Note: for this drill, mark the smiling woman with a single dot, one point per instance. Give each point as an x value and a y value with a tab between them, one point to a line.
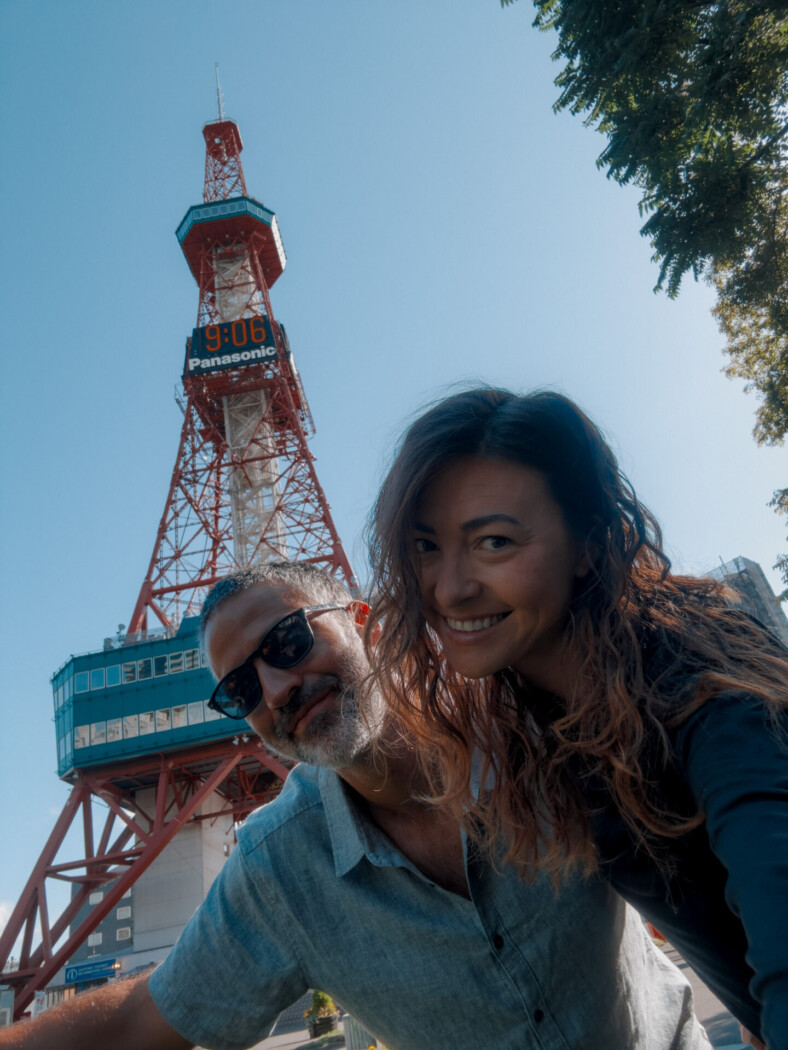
627	720
498	568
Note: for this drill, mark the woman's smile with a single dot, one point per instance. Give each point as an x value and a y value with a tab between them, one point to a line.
475	625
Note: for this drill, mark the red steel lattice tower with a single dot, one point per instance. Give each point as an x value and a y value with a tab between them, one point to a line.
244	487
243	490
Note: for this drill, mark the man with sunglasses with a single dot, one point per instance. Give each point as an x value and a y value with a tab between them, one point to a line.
349	882
321	720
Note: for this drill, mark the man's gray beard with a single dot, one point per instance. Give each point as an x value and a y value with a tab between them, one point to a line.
340	737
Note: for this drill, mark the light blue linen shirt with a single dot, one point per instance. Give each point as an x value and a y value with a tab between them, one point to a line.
316	896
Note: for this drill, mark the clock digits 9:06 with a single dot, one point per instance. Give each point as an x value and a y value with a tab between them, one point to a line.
248	331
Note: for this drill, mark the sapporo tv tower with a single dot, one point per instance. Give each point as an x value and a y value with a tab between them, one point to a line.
145	755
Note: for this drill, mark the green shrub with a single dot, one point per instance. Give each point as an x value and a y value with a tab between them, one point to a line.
322	1006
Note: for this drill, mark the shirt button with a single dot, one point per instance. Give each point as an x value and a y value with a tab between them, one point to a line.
498	941
538	1015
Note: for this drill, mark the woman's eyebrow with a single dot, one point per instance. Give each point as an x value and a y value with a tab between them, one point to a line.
474	523
488	519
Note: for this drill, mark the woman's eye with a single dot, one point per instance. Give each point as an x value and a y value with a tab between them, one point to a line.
494	543
425	546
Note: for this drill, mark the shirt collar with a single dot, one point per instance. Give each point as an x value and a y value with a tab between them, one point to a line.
353	834
350	830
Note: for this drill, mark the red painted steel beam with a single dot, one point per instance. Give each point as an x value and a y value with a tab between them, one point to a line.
27	901
111	862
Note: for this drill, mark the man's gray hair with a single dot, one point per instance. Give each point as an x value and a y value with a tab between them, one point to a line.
317	585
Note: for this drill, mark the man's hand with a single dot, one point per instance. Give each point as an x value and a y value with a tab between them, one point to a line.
121	1015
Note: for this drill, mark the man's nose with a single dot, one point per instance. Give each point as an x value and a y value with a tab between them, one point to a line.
277	683
454	581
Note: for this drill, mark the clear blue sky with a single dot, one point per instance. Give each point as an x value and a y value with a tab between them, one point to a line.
442	225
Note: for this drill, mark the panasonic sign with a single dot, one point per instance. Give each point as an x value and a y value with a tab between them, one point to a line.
212	362
230	344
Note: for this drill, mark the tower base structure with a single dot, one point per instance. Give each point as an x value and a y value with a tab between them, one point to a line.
146	802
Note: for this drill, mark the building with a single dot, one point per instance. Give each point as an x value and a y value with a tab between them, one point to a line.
757	598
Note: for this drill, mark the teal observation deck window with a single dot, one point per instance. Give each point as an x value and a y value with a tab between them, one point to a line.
135	696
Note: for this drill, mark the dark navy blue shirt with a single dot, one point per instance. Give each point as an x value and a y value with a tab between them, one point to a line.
723	900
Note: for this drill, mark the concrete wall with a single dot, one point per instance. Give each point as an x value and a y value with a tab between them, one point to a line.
170	891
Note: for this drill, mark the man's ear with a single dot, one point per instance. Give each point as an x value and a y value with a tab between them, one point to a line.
360	612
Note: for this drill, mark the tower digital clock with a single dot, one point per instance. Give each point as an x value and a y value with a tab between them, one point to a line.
230	344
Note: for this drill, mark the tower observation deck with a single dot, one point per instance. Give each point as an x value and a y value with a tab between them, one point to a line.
145	756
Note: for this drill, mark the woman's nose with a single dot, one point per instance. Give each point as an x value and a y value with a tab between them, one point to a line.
454	582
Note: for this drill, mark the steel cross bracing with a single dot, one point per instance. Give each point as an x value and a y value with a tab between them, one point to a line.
147	802
244	487
224	175
195	542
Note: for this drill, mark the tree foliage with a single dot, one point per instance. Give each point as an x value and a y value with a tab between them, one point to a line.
693	99
780	503
752	312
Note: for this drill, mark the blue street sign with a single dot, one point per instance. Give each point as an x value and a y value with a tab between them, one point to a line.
90	971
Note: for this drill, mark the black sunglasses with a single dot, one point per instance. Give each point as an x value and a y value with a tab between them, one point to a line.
284	645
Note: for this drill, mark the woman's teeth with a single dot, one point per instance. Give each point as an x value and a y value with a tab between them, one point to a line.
474	625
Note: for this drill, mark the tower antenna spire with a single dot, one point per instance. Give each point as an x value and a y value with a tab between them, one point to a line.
219	93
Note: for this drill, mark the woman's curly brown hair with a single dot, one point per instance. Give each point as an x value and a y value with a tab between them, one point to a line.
534	753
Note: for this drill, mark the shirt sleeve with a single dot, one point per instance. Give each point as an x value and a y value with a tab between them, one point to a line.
735	760
233	969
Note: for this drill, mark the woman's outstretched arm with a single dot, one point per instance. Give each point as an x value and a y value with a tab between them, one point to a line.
736	764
